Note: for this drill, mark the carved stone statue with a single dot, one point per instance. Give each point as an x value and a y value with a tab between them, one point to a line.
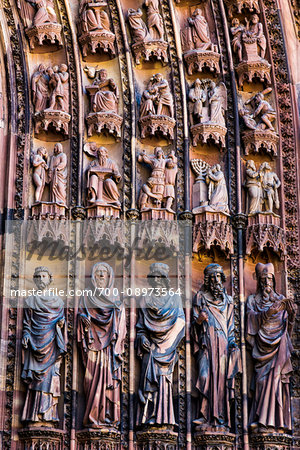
58	175
154	19
39	162
207	105
101	336
94	28
260	121
138	27
217	189
44	345
50	97
159	331
40	20
249	43
160	186
104	94
218	357
102	177
270	318
157	108
199	50
262	189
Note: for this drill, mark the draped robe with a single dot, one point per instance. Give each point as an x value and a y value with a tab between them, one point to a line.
102	347
59	176
162	322
271	349
42	358
217	357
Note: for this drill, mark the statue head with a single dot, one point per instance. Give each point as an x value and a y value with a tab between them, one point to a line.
42	277
197	12
265	275
250	164
235	22
102	74
50	71
158	276
58	148
214	278
63	68
158	77
265	167
102	275
102	154
158	152
55	68
255	18
42	68
212	84
42	151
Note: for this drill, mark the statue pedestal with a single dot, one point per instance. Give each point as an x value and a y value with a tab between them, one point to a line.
154	49
263	231
41	437
260	141
212	228
98	41
47	34
157	214
103	211
92	438
266	441
198	60
153	124
48	210
260	69
205	131
157	438
59	120
99	121
208	440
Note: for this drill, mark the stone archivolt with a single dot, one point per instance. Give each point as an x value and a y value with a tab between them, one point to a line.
207	107
94	28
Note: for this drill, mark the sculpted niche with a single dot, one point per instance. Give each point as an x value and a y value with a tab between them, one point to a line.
94	28
101	336
207	104
157	108
44	345
158	193
40	21
103	176
54	172
148	40
249	43
259	134
217	355
199	51
104	104
159	331
270	318
210	208
50	98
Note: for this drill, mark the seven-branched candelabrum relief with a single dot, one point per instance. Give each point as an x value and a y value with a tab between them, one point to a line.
94	28
41	24
249	44
259	122
148	38
200	53
104	102
50	98
207	104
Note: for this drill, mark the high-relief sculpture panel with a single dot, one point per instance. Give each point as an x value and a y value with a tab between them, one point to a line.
259	123
102	178
157	109
44	345
207	104
200	53
148	39
94	28
51	171
249	44
50	98
104	104
41	25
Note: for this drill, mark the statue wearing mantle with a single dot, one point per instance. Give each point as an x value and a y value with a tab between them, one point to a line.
101	334
160	328
217	355
44	344
270	318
